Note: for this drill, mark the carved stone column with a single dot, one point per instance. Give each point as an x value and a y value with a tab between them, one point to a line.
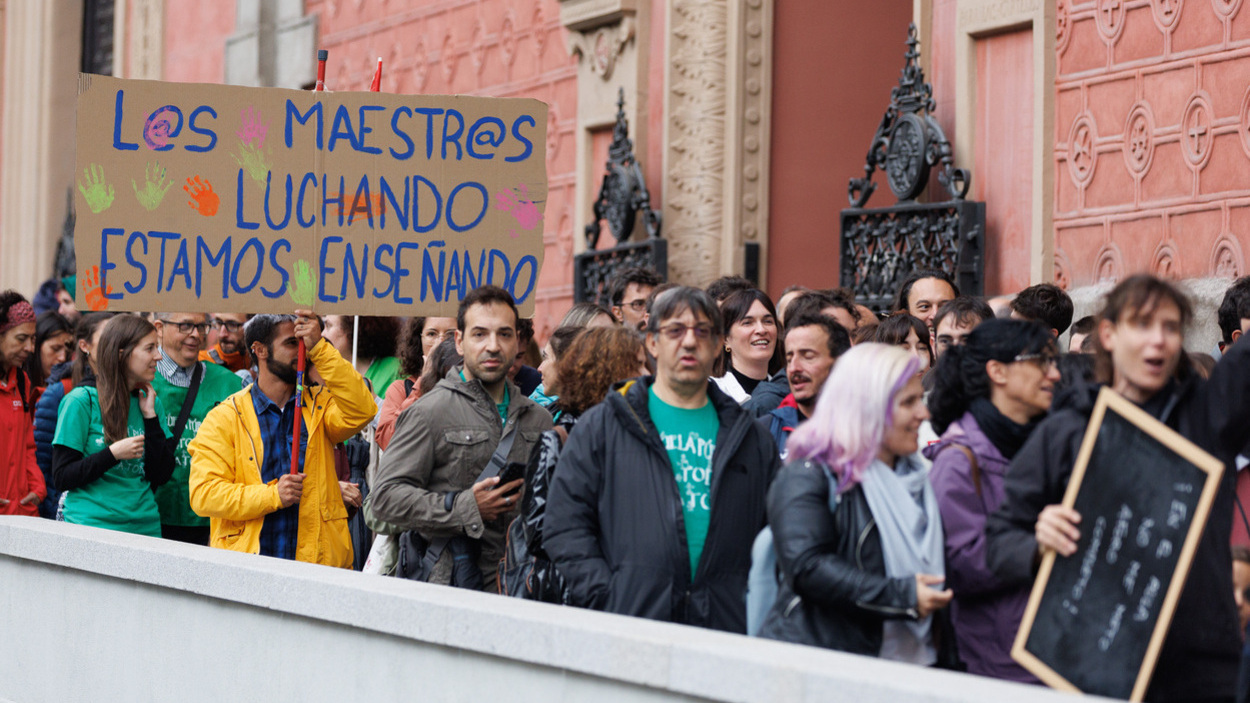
717	110
40	93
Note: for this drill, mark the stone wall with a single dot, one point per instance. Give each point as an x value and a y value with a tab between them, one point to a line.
1152	139
90	614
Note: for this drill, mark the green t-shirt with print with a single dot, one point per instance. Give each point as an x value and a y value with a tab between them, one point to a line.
689	436
174	497
122	498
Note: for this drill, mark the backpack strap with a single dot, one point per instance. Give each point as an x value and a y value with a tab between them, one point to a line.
976	468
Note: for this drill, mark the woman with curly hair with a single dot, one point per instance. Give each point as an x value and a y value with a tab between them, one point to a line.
594	361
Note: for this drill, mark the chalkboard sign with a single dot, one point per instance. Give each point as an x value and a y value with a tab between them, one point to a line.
1096	620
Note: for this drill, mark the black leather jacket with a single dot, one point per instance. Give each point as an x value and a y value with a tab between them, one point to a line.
833	591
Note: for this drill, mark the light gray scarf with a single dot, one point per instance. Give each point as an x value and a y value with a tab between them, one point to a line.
906	511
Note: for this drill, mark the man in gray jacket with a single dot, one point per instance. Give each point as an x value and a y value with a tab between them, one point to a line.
428	478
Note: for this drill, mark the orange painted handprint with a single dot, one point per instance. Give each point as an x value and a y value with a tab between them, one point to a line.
203	199
97	298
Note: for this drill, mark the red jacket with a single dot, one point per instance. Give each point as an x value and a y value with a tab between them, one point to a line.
19	474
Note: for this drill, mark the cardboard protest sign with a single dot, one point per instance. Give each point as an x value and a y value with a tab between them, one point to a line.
213	198
1096	620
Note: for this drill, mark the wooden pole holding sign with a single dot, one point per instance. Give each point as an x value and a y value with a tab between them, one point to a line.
1096	621
302	362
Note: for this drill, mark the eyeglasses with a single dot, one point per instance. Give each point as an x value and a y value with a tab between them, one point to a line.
639	305
1044	360
677	331
186	327
227	325
435	334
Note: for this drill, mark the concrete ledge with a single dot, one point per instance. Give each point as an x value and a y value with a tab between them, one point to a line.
93	614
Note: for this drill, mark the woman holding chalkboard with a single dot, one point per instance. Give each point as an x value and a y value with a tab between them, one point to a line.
1140	336
855	523
989	394
110	448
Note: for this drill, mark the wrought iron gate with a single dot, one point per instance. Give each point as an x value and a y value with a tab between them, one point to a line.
622	196
882	246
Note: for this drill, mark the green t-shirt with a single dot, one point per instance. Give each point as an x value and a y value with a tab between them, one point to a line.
382	372
122	498
690	438
174	497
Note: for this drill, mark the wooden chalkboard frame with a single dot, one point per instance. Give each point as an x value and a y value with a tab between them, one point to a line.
1109	400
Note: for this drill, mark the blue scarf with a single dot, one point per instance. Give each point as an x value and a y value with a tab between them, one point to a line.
906	510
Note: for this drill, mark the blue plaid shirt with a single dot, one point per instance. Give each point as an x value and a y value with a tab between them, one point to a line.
280	532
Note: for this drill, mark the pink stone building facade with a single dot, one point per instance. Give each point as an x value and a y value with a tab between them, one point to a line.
1105	136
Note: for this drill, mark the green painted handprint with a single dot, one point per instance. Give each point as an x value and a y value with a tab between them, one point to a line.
154	187
252	160
96	191
303	286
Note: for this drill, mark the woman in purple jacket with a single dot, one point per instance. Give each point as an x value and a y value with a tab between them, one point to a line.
988	396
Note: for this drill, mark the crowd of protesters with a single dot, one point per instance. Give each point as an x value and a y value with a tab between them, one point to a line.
876	482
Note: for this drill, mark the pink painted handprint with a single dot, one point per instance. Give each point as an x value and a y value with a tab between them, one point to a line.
254	128
516	202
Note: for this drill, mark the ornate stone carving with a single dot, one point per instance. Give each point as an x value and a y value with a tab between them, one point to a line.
1196	130
1166	13
539	28
1063	270
1139	143
1243	127
1166	262
603	47
448	58
1082	156
477	47
1227	259
420	65
1063	26
507	39
1226	9
696	82
1109	17
1110	264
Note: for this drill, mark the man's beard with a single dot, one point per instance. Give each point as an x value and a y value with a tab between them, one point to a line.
284	372
228	346
479	372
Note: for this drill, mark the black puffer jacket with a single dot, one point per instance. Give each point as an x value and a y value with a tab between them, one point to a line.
834	592
1200	654
615	526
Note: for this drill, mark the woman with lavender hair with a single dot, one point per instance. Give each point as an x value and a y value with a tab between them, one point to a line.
855	523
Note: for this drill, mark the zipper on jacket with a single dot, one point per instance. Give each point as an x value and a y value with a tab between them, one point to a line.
794	603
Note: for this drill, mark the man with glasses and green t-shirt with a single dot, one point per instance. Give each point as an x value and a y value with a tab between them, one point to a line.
188	389
659	491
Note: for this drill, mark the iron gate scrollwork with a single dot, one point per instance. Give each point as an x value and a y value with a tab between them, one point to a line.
622	197
882	246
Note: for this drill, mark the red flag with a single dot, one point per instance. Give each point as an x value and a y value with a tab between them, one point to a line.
376	85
